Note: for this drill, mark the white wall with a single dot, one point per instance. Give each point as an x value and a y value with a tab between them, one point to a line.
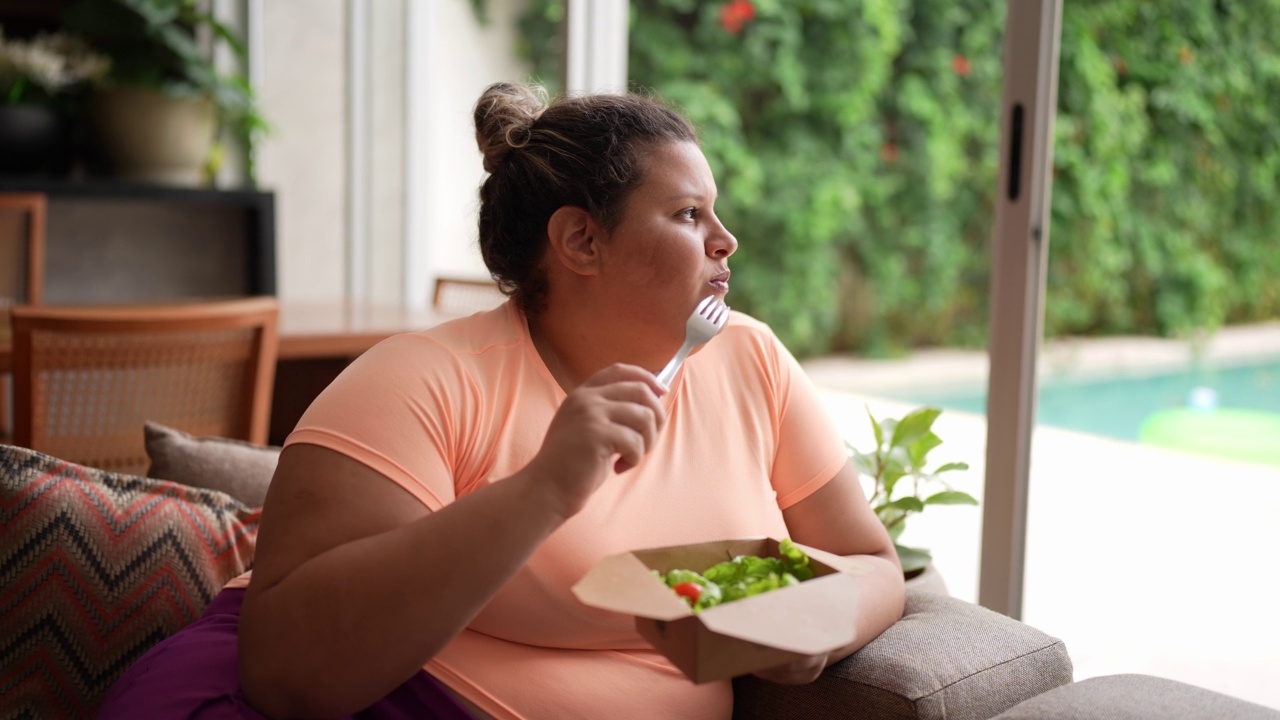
451	60
428	61
302	91
387	166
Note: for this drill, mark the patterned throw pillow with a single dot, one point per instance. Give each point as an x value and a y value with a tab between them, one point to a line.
95	568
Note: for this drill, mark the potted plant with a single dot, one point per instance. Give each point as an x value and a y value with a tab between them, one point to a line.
900	483
42	80
164	104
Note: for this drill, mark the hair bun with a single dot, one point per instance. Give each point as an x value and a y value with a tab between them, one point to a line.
504	118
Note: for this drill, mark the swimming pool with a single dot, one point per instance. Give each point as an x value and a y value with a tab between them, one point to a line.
1116	407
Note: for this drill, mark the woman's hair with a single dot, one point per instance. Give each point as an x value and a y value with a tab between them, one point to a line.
585	151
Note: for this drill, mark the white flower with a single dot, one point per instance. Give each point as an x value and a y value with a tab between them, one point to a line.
52	62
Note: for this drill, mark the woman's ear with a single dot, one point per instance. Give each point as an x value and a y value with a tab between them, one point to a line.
574	239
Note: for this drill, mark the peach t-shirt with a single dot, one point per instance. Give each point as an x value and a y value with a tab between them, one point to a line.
448	410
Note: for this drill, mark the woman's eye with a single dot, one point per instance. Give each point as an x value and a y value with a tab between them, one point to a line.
689	213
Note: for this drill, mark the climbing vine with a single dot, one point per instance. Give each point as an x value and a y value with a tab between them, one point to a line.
855	144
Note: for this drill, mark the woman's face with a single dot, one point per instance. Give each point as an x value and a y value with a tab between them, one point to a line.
669	250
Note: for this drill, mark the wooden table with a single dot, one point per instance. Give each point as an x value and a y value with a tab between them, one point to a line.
344	329
323	329
316	341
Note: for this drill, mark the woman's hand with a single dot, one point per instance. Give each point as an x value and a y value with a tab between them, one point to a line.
837	518
797	672
606	424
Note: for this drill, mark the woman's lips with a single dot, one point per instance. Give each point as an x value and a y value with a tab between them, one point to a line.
721	282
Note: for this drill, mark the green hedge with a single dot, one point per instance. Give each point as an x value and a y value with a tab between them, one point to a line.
855	143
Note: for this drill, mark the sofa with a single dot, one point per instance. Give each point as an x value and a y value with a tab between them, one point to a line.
96	567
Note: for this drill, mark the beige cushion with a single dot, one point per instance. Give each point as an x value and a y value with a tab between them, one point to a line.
240	469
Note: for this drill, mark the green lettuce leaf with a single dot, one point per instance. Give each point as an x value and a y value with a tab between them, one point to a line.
743	576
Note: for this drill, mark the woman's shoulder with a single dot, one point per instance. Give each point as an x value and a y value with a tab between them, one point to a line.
455	343
743	329
743	321
468	335
752	346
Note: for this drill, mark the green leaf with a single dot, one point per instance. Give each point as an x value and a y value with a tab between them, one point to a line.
919	450
15	90
225	34
913	426
887	427
888	515
875	427
950	497
865	464
893	469
951	466
912	558
895	531
154	12
909	503
182	44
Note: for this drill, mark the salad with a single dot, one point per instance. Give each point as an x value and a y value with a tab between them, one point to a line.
741	577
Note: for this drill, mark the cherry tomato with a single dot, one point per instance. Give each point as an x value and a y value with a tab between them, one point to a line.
689	590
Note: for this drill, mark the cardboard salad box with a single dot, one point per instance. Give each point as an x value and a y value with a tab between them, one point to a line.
736	638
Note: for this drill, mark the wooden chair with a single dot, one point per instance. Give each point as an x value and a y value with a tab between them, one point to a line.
463	296
86	379
22	223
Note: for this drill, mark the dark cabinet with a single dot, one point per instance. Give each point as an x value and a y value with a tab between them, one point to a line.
110	242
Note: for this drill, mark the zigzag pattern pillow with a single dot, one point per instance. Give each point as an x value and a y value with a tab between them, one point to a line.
95	568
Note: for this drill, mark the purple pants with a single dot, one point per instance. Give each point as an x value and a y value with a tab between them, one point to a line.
196	674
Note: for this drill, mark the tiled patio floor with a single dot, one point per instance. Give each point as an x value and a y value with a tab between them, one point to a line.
1140	559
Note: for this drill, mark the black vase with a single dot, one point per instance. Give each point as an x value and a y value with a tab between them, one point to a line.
30	138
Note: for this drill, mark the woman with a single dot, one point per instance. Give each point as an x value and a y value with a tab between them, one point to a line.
435	504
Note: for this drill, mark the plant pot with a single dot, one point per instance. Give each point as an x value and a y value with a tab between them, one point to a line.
30	136
150	136
929	580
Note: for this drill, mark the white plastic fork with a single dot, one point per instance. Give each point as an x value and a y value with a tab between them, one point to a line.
706	320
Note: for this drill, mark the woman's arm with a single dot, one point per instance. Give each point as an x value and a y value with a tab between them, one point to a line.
356	585
837	518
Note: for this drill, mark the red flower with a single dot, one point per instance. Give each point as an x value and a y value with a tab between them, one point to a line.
960	64
889	153
736	14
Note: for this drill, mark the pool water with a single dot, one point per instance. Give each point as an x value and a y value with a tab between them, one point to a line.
1116	407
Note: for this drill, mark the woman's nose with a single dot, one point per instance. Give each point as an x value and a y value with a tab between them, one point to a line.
723	244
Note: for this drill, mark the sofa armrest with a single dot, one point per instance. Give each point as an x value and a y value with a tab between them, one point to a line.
1136	697
946	658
